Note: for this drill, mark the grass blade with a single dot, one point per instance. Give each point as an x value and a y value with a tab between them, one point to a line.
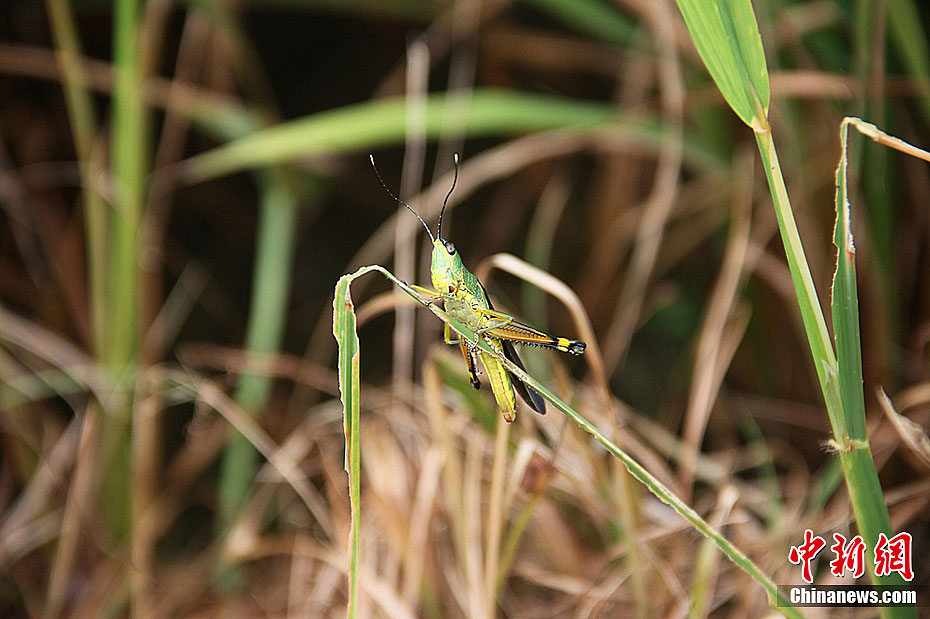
726	35
344	330
855	453
82	118
128	168
372	124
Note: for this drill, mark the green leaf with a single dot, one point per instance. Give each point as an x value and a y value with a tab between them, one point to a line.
865	491
845	307
368	125
344	329
726	35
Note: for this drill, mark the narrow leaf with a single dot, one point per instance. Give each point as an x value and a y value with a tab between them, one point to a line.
727	37
845	307
372	124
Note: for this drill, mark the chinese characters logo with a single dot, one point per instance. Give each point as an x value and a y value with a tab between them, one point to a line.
891	555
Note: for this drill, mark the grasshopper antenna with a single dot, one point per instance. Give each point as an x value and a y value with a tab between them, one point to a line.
391	193
455	178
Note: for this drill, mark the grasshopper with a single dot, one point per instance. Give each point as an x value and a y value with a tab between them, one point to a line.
465	299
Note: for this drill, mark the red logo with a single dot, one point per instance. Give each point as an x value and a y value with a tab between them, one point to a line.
803	555
849	556
891	555
894	555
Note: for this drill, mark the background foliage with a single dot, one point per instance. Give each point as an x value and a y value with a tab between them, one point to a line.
182	184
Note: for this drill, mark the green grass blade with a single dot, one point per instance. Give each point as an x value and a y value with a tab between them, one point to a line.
855	453
656	487
845	306
344	331
128	172
82	116
372	124
727	37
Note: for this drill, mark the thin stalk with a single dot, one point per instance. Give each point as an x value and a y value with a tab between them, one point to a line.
496	519
128	170
815	325
128	173
82	117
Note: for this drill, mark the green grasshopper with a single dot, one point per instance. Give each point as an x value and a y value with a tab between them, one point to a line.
465	300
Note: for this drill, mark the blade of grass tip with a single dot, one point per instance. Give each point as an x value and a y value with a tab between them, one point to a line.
727	38
865	491
344	330
845	305
349	389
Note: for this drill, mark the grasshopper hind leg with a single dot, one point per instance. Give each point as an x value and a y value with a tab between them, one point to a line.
470	362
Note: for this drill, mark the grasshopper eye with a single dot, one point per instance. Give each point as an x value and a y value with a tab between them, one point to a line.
449	247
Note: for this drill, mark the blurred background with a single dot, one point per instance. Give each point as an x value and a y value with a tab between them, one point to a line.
182	184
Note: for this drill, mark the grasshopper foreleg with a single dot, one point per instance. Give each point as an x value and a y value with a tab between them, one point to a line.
434	296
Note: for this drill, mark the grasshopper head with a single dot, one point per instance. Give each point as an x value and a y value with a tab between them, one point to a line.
446	268
447	271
